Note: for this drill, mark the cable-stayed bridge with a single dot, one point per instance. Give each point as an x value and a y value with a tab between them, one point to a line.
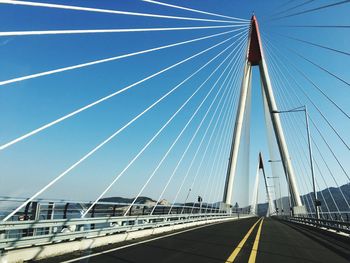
136	131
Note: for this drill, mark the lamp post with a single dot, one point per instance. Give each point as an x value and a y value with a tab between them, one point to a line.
288	186
317	203
279	191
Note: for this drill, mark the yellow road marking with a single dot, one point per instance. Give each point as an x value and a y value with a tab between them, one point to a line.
254	252
234	254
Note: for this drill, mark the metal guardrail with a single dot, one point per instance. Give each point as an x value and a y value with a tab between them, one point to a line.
44	209
338	226
51	221
333	215
16	234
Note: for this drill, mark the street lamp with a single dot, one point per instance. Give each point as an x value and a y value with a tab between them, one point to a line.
317	203
288	186
279	190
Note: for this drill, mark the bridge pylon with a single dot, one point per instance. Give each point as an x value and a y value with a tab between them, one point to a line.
255	57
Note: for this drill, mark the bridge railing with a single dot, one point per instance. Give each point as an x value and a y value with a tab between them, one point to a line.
335	225
63	209
335	215
48	221
15	234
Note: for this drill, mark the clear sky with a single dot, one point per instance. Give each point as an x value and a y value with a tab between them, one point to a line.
30	164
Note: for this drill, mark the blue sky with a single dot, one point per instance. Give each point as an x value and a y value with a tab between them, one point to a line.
26	105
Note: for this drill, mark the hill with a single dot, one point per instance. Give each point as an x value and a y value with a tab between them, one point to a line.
139	200
334	197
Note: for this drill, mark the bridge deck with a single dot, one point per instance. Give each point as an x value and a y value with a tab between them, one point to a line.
279	242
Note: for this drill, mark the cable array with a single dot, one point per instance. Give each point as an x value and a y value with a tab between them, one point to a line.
210	104
290	75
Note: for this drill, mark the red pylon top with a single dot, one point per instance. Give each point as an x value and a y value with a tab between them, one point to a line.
261	163
254	54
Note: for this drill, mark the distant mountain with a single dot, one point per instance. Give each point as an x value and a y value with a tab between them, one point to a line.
139	200
334	197
326	196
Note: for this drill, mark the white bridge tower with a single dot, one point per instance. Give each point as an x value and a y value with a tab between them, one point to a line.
255	57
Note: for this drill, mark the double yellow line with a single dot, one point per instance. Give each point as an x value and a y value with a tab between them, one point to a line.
254	251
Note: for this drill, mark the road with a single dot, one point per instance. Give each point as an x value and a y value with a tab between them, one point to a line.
235	241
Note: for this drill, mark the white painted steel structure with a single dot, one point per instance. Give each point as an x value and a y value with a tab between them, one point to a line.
255	47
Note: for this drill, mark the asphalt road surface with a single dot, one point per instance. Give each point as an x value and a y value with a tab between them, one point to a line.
249	240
